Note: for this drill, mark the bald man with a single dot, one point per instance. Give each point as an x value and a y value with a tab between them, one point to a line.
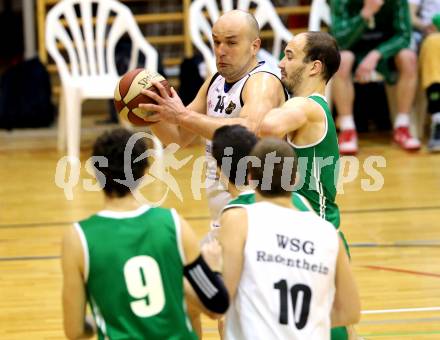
241	92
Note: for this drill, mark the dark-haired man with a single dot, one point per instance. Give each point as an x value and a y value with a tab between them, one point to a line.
231	147
286	269
128	260
310	60
305	120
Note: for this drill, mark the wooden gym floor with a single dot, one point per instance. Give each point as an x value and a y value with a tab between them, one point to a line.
394	235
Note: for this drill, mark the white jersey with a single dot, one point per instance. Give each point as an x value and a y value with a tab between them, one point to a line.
223	101
287	285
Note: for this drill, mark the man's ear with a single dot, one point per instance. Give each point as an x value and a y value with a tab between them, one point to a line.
256	44
316	68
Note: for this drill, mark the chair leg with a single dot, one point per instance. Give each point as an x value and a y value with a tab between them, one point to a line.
61	142
73	124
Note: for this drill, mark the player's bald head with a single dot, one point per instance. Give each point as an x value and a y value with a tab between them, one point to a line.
241	20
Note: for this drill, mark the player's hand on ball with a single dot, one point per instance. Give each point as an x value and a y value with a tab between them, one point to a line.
212	253
151	118
168	108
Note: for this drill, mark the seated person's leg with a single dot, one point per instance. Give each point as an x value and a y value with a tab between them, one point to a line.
406	64
343	96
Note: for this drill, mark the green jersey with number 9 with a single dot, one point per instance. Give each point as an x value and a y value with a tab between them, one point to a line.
134	274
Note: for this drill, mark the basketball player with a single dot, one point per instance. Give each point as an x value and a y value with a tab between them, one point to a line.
286	269
241	92
128	261
310	60
238	142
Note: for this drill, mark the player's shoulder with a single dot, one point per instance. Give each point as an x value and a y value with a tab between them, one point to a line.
233	212
310	107
212	78
264	84
72	243
262	77
302	104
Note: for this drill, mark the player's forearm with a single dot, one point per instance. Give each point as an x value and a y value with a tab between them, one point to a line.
169	133
344	317
204	125
279	122
199	275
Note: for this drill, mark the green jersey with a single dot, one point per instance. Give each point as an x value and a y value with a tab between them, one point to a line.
389	32
318	166
134	274
248	197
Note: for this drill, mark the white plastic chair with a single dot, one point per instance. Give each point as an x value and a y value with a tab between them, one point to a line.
320	13
200	27
92	71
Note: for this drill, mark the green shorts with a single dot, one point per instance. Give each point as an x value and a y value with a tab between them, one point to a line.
339	333
386	67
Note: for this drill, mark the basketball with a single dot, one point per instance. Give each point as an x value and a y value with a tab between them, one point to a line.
128	94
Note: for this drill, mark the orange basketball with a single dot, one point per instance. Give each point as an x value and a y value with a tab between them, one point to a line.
128	94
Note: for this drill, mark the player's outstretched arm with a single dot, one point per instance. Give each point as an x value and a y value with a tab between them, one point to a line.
288	118
232	237
203	272
346	305
262	92
73	295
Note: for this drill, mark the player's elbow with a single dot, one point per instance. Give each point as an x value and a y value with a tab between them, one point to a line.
352	317
73	334
356	317
82	330
345	314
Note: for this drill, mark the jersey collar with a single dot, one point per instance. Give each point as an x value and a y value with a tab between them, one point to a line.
124	214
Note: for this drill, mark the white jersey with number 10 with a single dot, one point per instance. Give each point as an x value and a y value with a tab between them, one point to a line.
287	284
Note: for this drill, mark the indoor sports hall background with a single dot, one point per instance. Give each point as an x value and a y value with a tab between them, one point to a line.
389	198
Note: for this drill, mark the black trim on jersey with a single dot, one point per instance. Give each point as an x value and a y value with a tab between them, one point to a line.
286	94
227	86
214	77
208	285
